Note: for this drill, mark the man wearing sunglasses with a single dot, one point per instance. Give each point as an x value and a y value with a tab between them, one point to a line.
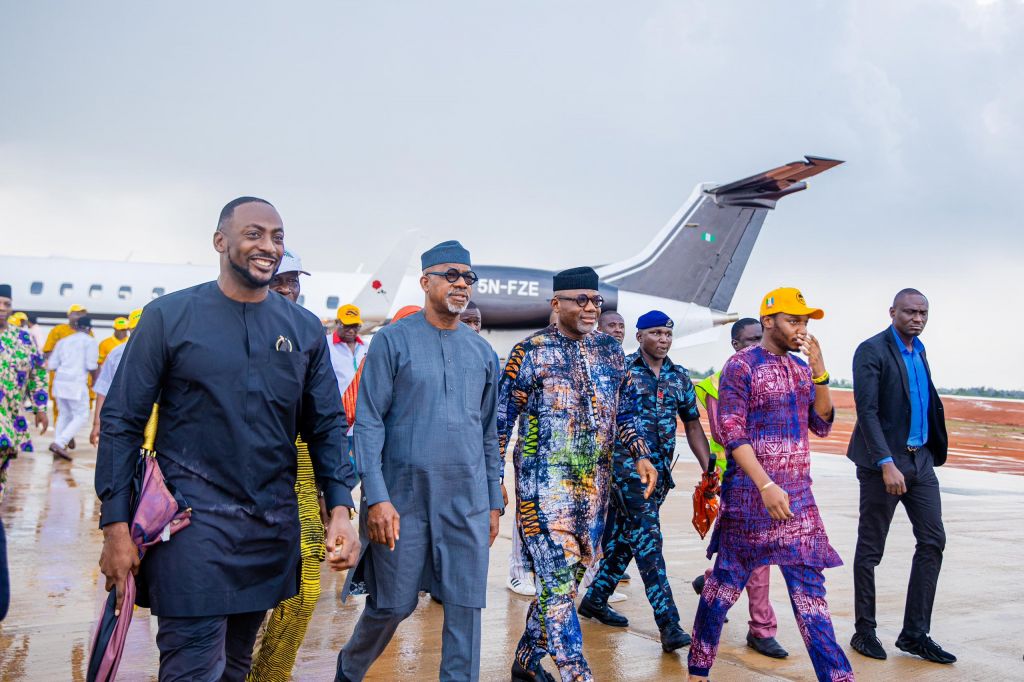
427	455
571	394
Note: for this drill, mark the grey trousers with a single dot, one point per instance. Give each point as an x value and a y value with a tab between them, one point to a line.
460	642
209	648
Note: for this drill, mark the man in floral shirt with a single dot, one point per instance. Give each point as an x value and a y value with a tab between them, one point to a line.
21	376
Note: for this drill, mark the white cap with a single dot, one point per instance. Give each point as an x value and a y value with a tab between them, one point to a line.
291	263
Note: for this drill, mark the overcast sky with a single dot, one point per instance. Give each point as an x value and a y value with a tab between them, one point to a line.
542	134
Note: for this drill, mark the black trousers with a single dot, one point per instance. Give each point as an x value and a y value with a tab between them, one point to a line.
5	583
924	509
208	648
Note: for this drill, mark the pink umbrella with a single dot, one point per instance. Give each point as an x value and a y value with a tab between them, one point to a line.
159	513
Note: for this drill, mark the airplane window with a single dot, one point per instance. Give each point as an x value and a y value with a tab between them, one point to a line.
124	292
95	291
158	292
302	299
36	288
332	301
67	288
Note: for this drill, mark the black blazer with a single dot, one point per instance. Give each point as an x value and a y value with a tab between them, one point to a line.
882	392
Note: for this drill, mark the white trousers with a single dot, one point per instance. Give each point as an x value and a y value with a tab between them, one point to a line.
516	559
72	415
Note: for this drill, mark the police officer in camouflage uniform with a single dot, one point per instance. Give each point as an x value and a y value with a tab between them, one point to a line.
665	391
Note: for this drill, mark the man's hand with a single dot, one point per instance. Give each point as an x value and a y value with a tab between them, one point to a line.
43	422
495	515
341	540
382	523
812	351
648	475
504	496
893	479
119	557
94	435
776	501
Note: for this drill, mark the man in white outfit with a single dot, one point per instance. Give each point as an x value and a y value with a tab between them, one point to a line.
73	359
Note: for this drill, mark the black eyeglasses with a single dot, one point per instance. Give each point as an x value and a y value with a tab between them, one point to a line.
583	299
452	275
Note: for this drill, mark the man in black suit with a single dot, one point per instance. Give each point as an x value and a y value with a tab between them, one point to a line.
899	438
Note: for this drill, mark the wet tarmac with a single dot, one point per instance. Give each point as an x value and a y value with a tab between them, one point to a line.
51	512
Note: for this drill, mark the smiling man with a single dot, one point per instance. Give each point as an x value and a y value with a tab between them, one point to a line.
427	455
239	373
570	392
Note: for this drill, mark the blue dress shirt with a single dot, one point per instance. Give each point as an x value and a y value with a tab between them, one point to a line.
917	380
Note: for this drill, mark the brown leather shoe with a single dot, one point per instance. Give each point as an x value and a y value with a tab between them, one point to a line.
59	451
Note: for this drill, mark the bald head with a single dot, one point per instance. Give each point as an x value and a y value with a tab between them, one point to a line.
909	313
903	293
612	324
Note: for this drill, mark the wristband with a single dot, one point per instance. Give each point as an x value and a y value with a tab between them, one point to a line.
822	380
767	485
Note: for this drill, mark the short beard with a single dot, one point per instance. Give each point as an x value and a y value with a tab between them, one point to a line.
248	278
585	327
455	309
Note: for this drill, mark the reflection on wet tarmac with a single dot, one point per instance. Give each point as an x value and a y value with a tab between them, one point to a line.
51	516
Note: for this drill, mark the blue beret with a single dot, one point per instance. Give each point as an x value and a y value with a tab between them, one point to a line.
655	318
450	251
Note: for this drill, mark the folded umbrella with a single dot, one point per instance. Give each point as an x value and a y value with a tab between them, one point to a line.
158	512
705	499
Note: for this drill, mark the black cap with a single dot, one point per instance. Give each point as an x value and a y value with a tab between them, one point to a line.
576	278
84	322
5	291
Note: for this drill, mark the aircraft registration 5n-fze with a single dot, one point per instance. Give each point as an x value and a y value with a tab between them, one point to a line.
689	270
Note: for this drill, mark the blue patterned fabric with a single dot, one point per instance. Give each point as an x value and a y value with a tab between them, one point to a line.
573	400
662	398
806	586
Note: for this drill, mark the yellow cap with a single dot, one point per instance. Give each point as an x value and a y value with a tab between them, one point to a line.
121	323
133	318
349	314
790	301
17	318
75	308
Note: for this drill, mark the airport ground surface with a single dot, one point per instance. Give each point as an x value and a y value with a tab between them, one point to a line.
50	514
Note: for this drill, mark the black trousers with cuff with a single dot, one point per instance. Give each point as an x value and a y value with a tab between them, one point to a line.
924	509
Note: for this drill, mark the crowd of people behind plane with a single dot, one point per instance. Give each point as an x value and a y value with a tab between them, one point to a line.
265	424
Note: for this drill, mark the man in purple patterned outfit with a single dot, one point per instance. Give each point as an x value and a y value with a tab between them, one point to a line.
768	399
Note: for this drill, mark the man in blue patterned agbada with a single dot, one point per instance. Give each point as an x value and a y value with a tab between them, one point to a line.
572	396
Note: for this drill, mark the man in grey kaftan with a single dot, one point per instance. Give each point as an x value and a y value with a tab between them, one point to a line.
426	444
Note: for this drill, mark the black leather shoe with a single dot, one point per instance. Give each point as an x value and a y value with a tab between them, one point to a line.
538	674
868	645
673	637
766	646
698	584
925	647
606	615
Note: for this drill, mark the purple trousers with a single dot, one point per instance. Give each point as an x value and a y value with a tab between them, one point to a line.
762	616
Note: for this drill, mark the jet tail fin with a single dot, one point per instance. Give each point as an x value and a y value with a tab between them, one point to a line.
700	254
377	296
